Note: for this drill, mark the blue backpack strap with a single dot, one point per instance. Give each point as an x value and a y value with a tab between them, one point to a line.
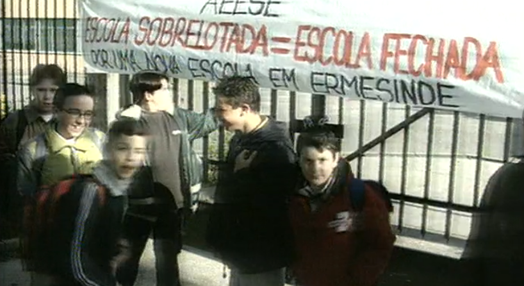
357	188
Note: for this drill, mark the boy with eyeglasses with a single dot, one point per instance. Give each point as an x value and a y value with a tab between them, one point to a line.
67	147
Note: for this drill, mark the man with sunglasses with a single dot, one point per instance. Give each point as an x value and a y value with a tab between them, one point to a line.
67	147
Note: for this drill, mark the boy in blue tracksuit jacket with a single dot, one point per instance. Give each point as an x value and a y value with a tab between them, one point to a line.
83	245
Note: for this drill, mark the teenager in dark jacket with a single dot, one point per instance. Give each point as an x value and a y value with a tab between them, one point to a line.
248	226
18	128
335	245
83	245
168	186
494	254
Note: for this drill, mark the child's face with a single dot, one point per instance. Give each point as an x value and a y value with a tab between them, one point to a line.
44	92
317	165
75	116
127	154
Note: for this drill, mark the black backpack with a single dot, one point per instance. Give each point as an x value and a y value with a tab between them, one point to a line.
21	124
10	201
357	188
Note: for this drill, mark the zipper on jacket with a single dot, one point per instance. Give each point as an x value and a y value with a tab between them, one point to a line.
74	159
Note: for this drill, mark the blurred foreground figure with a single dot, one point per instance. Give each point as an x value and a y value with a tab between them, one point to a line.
77	236
495	251
167	188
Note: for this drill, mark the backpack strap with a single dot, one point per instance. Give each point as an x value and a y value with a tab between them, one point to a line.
41	152
65	186
58	191
101	189
357	190
41	146
20	126
382	191
102	194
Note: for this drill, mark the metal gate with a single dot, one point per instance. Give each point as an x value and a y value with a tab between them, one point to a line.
436	163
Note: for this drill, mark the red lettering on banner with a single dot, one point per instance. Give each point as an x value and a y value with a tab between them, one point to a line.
364	51
311	42
227	37
108	30
408	54
440	58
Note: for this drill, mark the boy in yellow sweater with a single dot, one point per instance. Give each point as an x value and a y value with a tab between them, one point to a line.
67	147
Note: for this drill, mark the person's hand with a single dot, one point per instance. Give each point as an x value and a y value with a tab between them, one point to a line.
244	159
123	255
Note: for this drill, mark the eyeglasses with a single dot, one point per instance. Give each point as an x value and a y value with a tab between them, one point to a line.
77	113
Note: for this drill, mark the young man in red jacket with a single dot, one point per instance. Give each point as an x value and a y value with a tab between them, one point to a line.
335	244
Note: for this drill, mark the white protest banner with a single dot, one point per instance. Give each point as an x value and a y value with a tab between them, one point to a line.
455	55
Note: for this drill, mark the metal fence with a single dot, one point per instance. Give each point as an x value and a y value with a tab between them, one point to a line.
436	163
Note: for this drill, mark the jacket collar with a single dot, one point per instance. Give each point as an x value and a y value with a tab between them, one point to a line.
107	177
56	142
32	114
339	181
135	111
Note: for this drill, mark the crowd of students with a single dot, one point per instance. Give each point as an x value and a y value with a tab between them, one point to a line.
86	202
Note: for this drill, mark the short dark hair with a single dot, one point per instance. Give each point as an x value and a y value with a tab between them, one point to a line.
126	126
238	90
320	139
47	72
70	90
147	81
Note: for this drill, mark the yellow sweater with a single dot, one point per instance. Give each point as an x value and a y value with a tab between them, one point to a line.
63	158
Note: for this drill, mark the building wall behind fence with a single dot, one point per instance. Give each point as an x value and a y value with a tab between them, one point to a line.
444	156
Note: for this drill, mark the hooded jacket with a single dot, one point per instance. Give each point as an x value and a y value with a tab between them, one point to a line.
248	227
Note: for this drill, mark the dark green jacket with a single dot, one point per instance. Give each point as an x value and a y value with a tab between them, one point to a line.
193	126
